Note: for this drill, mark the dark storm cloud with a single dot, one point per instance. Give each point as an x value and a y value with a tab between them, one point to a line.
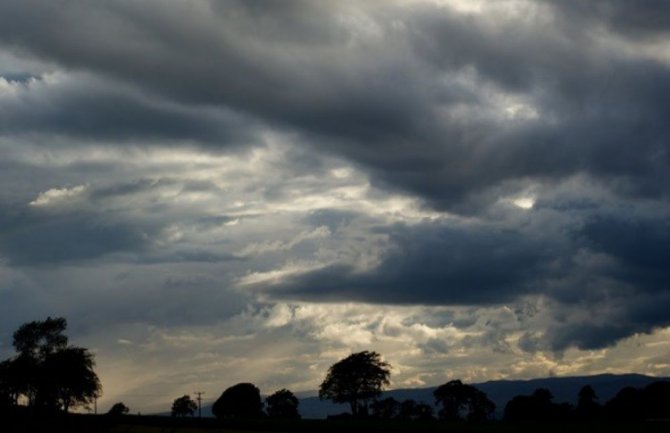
627	294
607	280
641	244
649	18
434	264
34	237
619	317
95	110
599	113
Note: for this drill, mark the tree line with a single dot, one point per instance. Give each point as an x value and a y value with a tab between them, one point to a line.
47	375
629	404
359	379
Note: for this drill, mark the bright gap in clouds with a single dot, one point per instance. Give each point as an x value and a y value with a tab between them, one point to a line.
524	202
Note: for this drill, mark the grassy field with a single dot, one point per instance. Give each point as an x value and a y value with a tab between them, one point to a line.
149	424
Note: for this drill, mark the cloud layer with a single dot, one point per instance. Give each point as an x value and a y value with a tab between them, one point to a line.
492	176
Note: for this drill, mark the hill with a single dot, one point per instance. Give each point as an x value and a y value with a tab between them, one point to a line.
564	389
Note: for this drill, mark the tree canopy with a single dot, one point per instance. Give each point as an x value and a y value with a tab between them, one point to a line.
410	410
118	409
587	404
387	408
48	372
239	401
39	339
459	400
356	380
183	406
536	407
282	404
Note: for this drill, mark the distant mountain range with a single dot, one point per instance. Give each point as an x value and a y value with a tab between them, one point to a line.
564	389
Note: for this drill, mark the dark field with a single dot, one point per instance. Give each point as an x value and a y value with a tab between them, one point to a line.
150	424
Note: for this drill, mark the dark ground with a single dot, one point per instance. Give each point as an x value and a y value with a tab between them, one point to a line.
151	424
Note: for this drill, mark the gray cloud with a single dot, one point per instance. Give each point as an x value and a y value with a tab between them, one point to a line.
32	237
91	109
433	264
639	243
647	20
605	280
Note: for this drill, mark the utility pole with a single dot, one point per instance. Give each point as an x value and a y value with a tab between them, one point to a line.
199	394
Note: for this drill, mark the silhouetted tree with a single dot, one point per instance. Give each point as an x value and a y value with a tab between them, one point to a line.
183	406
35	342
8	394
118	409
587	404
562	411
627	404
69	377
40	339
656	399
537	406
631	403
11	386
283	404
239	401
49	373
480	407
410	410
356	380
422	412
459	400
406	411
387	408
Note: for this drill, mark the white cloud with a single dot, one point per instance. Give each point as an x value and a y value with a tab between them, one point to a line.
276	276
321	232
58	195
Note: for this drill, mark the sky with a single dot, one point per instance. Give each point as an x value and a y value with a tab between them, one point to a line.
214	192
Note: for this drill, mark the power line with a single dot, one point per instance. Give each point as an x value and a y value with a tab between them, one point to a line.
199	394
